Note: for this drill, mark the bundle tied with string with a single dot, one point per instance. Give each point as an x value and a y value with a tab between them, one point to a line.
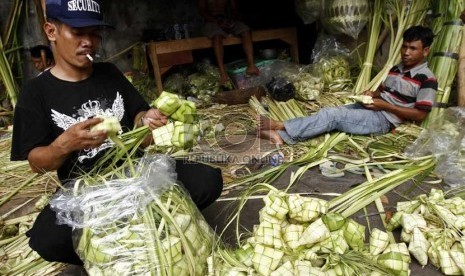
145	225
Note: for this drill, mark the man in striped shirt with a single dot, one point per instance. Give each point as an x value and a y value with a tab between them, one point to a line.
407	94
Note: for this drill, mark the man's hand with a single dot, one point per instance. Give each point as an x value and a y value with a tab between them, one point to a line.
153	118
377	105
373	94
79	137
225	24
76	137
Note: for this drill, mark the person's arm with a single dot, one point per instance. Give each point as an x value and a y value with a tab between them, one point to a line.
75	138
407	113
205	13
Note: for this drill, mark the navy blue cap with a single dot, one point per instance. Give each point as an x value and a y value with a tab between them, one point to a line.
76	13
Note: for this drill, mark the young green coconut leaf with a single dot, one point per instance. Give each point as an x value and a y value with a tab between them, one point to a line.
244	254
333	221
185	112
276	204
312	256
316	232
448	265
184	135
292	234
304	268
395	262
411	221
419	246
306	209
364	99
334	244
266	259
405	236
379	240
459	258
269	234
399	247
286	269
456	205
354	234
167	103
110	125
162	135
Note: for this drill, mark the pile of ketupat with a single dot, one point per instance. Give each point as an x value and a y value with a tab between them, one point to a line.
432	226
298	236
181	132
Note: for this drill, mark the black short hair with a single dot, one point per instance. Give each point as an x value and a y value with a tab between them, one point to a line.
424	34
36	51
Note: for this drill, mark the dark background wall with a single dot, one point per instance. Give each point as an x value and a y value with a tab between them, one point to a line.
145	20
136	20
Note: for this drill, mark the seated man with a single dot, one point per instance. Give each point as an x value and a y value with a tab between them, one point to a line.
408	93
219	24
56	111
42	58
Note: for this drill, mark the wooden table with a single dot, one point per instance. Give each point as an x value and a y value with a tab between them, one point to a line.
165	54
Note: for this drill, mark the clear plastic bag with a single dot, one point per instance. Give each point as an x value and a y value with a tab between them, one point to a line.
308	83
137	226
444	139
281	69
345	17
175	83
327	45
308	10
332	64
278	79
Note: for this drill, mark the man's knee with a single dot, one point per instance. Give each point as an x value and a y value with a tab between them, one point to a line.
203	182
51	241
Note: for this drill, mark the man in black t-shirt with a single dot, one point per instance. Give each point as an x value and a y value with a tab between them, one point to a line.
56	110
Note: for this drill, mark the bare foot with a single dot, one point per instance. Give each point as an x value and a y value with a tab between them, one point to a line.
271	135
269	124
224	80
252	70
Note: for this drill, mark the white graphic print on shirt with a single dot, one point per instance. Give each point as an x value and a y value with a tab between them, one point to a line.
88	110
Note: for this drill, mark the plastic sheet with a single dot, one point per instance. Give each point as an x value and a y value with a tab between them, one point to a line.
137	226
444	139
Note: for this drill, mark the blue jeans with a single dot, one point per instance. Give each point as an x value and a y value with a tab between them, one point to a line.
352	118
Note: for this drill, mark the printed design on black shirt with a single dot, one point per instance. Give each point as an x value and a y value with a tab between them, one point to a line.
88	110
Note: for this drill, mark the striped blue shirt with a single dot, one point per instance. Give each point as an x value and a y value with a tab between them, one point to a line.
413	88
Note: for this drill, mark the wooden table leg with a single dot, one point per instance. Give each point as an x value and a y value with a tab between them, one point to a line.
156	66
291	39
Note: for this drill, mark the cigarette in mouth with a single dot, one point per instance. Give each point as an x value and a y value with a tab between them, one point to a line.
90	57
